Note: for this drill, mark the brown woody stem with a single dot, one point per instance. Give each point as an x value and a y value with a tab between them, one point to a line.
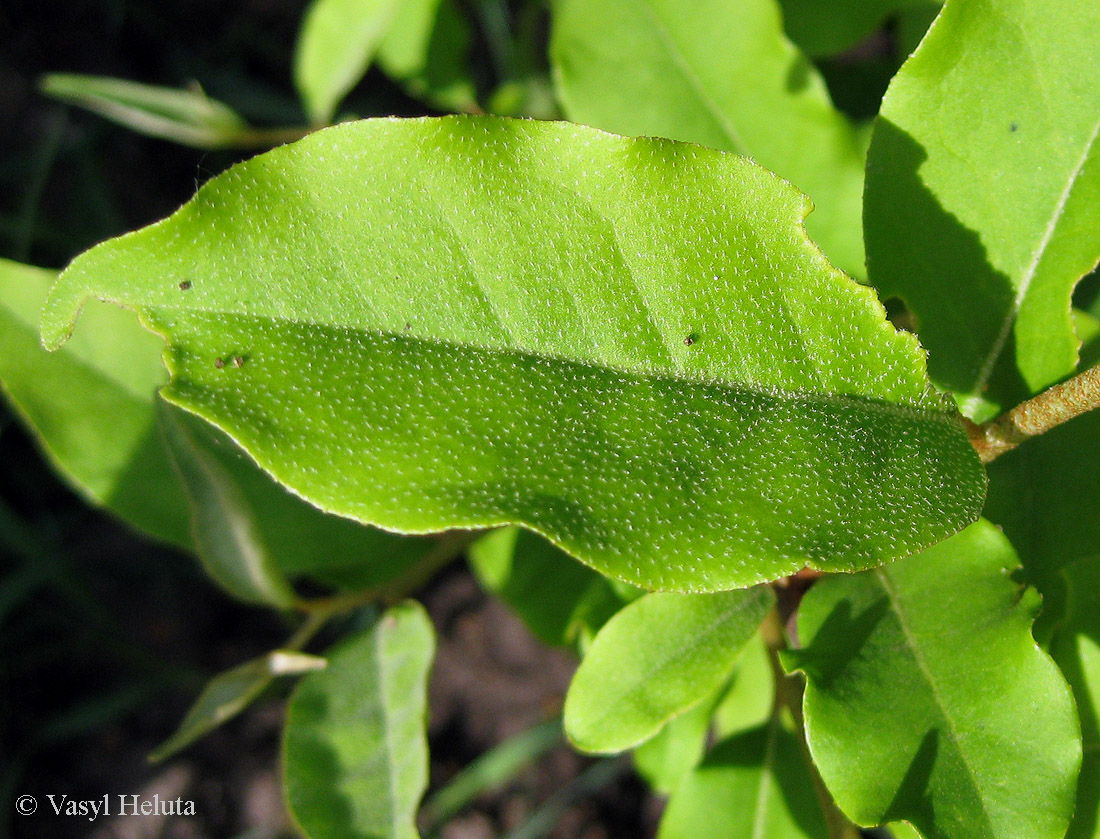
1049	409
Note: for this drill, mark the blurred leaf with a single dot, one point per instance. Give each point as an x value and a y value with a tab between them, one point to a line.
355	751
223	523
719	73
665	758
927	699
994	159
901	830
826	28
748	701
656	659
1076	648
92	406
542	583
231	692
336	45
426	48
539	309
188	117
752	785
1087	327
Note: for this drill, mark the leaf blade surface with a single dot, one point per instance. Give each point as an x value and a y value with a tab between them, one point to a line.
355	750
983	194
628	346
750	786
655	659
926	669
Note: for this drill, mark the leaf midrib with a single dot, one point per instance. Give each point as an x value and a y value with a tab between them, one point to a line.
870	404
933	685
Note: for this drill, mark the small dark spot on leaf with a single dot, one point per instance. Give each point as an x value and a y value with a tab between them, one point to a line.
689	340
185	285
219	363
239	360
408	326
1013	126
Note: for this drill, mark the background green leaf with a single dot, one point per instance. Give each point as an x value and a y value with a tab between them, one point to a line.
751	785
1045	495
928	700
426	48
665	758
658	657
92	406
337	42
983	193
229	693
546	587
540	310
1076	648
224	526
743	703
355	751
720	73
828	28
189	117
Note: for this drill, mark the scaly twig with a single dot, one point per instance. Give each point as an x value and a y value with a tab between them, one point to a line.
1049	409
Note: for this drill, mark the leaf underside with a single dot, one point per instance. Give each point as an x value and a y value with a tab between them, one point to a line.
627	345
355	750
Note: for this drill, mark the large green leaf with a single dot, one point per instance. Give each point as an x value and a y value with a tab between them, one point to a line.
658	657
355	751
929	701
335	47
983	193
750	786
93	407
720	73
1076	648
626	345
